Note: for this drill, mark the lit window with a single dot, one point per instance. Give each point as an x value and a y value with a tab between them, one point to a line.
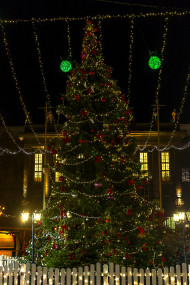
38	167
185	175
169	222
165	166
144	163
57	174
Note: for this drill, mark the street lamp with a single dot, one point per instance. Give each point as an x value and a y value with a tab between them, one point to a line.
182	218
35	217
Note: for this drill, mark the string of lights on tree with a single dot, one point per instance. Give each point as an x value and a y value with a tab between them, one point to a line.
82	216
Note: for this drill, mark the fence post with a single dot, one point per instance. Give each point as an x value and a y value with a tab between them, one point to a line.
129	275
27	278
135	276
147	273
86	274
117	274
33	274
80	278
75	277
56	276
16	273
50	275
22	274
166	276
184	273
188	274
92	274
123	275
45	276
159	276
63	273
10	273
172	276
68	275
141	276
98	274
178	273
1	275
5	274
39	275
105	274
111	273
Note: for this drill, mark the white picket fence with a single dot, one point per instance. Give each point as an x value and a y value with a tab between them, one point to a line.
14	273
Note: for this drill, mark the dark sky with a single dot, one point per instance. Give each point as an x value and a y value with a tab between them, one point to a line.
53	41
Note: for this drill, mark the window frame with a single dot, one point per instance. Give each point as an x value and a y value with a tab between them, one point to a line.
143	158
165	166
38	167
186	176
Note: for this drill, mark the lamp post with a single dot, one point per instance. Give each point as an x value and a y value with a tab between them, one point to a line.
182	218
34	218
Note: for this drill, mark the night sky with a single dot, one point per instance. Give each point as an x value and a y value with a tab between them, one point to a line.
53	41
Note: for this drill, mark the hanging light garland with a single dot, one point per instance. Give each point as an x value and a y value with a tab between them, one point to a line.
16	81
164	37
168	146
99	17
65	65
100	35
20	150
131	37
69	39
41	65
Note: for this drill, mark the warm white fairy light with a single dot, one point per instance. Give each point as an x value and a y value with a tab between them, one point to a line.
41	65
69	38
131	36
168	146
100	34
7	151
173	13
164	37
77	163
16	81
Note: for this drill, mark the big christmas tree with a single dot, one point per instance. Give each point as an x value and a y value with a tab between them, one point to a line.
94	213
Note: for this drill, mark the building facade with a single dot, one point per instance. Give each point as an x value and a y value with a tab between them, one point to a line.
25	180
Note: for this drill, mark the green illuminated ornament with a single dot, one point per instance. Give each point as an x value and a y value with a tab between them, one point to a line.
65	66
154	62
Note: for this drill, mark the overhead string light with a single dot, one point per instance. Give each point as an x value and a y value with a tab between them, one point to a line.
16	81
187	145
131	40
164	37
37	43
180	109
100	35
65	65
97	17
20	150
69	38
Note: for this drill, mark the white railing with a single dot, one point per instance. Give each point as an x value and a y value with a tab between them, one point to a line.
27	274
